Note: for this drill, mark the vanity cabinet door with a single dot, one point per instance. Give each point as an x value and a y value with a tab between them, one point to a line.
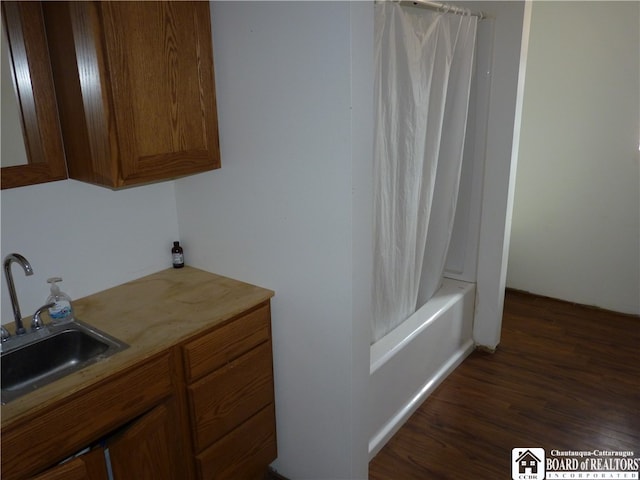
89	466
135	89
73	470
146	449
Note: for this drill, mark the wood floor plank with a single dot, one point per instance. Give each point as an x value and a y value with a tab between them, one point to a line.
564	377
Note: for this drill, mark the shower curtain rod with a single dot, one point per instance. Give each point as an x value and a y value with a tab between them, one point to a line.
441	7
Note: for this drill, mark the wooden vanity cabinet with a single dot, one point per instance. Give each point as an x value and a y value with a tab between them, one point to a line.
229	378
203	408
143	449
135	89
139	404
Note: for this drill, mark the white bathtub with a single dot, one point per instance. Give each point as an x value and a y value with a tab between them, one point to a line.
410	361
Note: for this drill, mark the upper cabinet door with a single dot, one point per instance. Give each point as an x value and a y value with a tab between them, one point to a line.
136	90
35	101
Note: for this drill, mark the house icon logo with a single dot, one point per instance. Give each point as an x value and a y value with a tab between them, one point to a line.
527	464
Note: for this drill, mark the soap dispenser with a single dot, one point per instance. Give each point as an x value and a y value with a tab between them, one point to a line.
61	311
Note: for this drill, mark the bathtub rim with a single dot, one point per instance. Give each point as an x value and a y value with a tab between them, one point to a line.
393	342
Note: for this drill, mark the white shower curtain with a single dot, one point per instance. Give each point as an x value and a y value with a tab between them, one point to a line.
424	63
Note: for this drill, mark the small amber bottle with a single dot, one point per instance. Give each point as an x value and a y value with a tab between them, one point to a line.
178	255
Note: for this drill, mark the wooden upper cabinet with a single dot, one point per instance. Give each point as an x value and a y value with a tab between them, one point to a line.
30	68
135	89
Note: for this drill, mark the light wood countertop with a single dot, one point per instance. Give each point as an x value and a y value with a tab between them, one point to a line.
150	314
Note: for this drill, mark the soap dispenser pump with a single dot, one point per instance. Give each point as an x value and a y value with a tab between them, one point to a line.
61	311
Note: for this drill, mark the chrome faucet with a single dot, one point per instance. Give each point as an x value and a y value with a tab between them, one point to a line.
36	322
26	266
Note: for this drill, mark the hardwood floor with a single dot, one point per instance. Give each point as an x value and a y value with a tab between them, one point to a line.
564	377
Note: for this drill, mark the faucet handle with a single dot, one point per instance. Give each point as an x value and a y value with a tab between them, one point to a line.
5	334
36	322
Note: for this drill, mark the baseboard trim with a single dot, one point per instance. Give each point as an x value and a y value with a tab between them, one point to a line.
273	475
568	303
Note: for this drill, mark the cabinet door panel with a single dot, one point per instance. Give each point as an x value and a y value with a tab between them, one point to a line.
135	88
73	470
31	68
143	449
90	466
161	72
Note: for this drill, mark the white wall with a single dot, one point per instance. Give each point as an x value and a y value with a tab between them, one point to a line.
92	237
291	207
576	220
280	212
510	32
362	64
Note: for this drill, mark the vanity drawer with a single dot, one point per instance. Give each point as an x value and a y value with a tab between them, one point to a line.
230	395
226	343
244	452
